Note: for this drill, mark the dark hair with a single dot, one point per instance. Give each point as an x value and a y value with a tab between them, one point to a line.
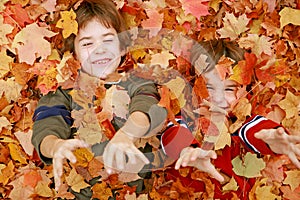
106	13
214	50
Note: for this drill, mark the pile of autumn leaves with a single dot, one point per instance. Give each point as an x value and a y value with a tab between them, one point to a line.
31	37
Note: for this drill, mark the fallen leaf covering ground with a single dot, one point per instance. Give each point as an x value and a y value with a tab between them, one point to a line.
30	65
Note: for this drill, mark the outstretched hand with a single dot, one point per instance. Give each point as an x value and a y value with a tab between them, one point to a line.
121	152
63	149
201	159
281	143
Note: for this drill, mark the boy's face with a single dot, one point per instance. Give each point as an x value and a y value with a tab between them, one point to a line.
98	49
222	93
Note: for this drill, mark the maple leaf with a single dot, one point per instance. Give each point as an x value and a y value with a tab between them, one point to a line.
162	59
5	30
63	192
19	191
289	15
292	178
5	61
68	23
16	15
243	71
290	104
197	8
101	191
83	156
257	44
233	26
31	44
43	190
249	167
76	181
153	23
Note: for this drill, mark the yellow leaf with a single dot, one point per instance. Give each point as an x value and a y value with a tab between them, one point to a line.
265	192
83	156
224	138
76	181
290	104
42	189
232	185
16	153
68	23
292	179
249	167
289	15
7	172
177	86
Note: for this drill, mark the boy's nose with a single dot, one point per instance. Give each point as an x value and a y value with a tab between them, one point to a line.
100	49
220	100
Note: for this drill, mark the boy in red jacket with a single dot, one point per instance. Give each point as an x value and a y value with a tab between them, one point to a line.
258	134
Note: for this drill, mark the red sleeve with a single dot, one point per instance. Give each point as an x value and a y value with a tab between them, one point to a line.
175	138
252	126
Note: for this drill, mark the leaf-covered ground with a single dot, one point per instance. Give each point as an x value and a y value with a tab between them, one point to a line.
31	37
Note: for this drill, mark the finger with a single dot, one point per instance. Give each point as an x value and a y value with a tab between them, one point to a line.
76	143
57	172
70	156
215	174
120	160
178	163
294	160
108	156
263	134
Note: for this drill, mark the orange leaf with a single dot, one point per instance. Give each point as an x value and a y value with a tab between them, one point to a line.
31	178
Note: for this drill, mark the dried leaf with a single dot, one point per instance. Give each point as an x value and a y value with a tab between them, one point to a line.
249	167
31	44
68	23
76	181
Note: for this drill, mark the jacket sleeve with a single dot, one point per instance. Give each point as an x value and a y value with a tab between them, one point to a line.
144	97
176	137
52	117
252	126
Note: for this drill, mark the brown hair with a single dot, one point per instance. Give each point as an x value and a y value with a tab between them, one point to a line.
214	50
106	13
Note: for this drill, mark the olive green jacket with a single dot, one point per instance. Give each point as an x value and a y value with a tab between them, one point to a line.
53	113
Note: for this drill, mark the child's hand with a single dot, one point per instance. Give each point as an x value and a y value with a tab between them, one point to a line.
63	149
199	158
281	143
121	152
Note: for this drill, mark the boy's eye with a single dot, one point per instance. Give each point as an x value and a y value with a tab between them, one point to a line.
230	89
87	44
108	40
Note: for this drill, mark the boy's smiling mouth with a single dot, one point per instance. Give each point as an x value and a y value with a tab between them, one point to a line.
101	61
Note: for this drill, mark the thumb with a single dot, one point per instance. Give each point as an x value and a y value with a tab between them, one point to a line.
261	134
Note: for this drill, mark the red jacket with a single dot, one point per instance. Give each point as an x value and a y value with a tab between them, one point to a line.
173	142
